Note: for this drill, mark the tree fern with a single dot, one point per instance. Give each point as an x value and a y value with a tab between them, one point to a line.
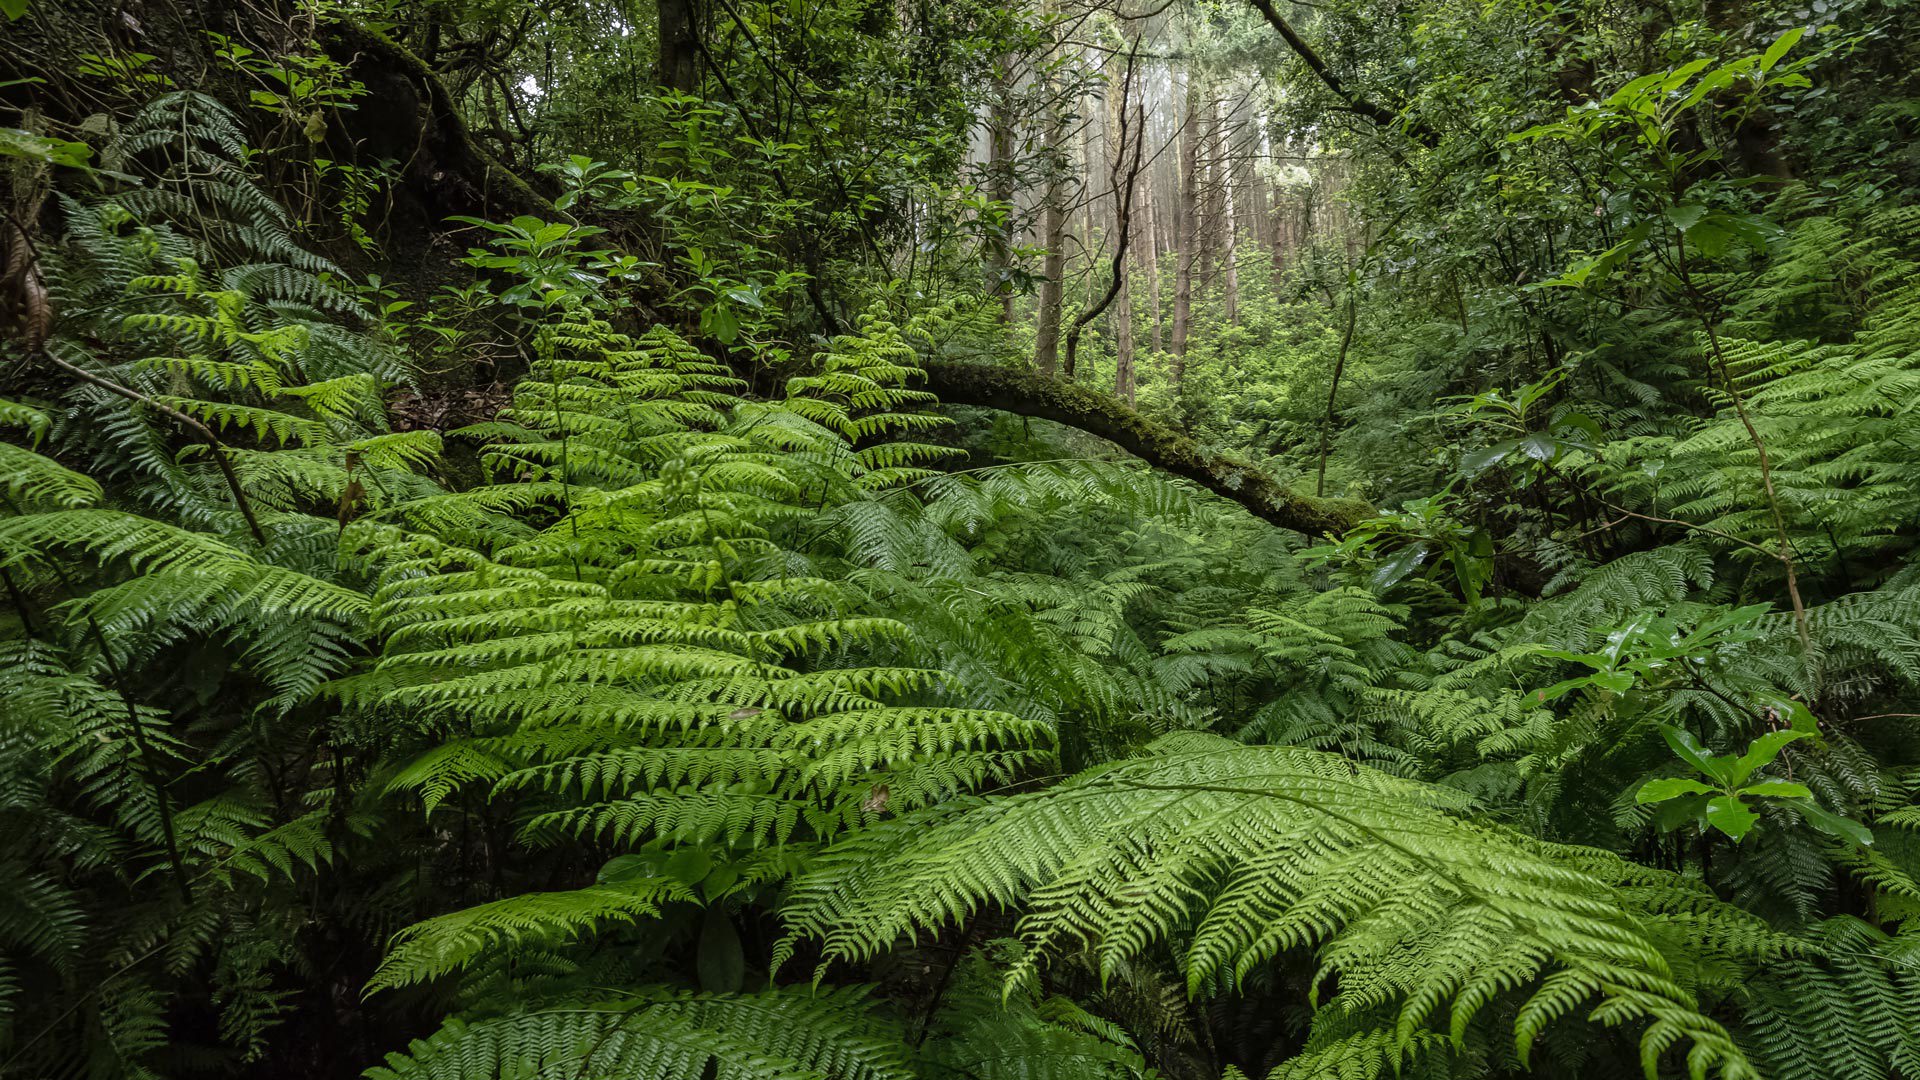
1248	852
779	1036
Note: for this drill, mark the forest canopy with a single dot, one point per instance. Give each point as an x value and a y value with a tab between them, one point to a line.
947	540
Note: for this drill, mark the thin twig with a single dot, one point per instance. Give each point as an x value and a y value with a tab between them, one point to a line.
217	448
1122	215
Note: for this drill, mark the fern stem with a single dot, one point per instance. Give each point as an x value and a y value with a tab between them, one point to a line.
566	468
19	602
149	764
1333	389
1739	401
1766	482
205	434
925	1026
1691	526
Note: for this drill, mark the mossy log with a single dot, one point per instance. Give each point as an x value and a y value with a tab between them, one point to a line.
411	120
1028	393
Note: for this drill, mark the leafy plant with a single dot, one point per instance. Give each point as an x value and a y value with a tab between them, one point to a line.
1727	804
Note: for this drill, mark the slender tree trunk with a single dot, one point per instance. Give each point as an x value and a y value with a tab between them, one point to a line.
677	67
1052	286
1124	176
1000	188
1186	214
1089	244
1207	228
1333	386
1231	235
1150	263
1121	313
1053	238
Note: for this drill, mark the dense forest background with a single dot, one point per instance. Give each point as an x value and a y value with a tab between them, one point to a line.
739	539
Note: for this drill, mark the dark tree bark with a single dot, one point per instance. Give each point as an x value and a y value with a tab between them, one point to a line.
418	124
678	64
1229	225
1333	387
1150	260
1121	315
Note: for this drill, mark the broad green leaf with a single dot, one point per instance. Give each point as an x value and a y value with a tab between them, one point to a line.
1686	215
1540	447
1831	823
1656	791
1635	88
1475	462
1731	816
1761	752
1678	77
626	869
1592	660
25	144
1561	689
1617	681
689	865
1395	570
719	321
1580	422
1775	788
1710	236
1685	810
1711	81
1780	47
1690	751
1796	714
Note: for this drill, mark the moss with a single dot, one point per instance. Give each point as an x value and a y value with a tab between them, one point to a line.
1030	394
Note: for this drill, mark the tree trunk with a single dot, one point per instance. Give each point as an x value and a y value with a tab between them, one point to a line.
1230	232
1186	214
1053	238
1089	246
1000	189
1207	197
1121	313
1150	263
678	63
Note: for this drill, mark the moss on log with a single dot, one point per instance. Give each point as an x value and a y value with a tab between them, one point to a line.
1028	393
411	119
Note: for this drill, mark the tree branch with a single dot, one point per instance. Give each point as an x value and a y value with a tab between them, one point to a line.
1123	213
214	446
1028	393
1372	110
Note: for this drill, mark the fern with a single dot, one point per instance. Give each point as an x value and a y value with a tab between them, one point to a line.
1254	851
778	1036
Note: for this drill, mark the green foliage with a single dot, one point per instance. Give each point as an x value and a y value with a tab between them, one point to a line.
778	1036
1255	851
579	718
